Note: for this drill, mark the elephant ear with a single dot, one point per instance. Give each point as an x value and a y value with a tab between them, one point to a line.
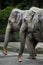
16	14
33	13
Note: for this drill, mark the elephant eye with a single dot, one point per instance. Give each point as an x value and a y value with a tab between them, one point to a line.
9	21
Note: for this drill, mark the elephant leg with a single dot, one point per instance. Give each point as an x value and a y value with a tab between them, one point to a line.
6	40
22	45
34	45
22	40
29	43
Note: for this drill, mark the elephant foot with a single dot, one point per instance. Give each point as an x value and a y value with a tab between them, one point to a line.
31	57
20	58
4	51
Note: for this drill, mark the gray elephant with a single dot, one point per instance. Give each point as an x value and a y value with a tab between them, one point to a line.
31	31
20	20
15	21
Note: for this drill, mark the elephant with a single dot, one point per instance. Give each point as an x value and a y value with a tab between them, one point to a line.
21	20
31	31
15	21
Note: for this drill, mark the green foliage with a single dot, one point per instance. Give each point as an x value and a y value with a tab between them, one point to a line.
23	6
39	50
4	14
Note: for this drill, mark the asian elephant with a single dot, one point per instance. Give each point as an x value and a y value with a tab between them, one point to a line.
22	20
31	31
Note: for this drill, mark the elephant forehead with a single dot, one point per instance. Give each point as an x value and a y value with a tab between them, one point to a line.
11	17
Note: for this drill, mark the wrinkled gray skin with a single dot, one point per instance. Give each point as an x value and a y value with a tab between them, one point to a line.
31	30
